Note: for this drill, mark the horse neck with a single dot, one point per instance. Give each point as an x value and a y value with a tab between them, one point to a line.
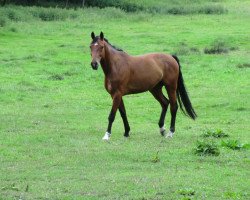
107	62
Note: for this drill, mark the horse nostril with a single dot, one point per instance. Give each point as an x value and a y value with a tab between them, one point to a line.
94	65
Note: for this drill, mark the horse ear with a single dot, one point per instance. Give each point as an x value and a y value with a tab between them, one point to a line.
101	35
93	35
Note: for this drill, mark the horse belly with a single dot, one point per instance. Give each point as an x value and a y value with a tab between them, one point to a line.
144	80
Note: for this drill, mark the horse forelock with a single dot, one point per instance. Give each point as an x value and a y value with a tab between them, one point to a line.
95	40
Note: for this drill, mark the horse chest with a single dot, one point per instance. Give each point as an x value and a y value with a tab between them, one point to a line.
110	86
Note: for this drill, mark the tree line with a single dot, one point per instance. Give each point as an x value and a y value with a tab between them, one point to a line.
127	6
124	5
63	3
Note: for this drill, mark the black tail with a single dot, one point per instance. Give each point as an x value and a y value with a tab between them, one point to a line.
182	95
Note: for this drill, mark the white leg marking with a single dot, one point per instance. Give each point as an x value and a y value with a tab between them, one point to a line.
170	134
163	130
106	136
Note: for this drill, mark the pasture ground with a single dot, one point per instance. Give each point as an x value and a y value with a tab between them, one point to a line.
54	108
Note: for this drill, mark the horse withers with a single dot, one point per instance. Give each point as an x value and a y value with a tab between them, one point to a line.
126	74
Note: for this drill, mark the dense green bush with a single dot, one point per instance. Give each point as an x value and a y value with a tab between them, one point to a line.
190	9
124	5
111	12
3	21
12	13
16	14
212	9
167	7
50	14
134	6
113	9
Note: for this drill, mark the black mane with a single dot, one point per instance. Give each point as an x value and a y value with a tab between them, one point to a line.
96	39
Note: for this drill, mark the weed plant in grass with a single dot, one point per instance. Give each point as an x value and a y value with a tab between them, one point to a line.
156	158
56	77
183	49
244	65
217	47
186	192
235	145
216	134
207	148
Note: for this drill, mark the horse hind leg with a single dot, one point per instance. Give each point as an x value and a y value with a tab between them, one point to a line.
124	118
173	109
159	96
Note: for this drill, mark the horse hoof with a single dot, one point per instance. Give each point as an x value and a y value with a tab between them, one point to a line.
163	131
170	134
106	137
126	135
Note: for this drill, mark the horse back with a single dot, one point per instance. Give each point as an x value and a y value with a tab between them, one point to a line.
146	71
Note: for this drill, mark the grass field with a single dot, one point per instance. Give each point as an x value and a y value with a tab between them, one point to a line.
54	108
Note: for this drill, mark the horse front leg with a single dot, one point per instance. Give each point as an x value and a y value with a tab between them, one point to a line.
116	103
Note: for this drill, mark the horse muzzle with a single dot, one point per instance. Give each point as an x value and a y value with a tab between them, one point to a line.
94	65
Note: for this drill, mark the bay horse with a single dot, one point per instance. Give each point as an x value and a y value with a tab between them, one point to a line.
126	74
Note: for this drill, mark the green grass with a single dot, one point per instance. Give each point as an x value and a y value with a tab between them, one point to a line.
54	108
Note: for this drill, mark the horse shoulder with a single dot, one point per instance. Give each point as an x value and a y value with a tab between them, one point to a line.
116	81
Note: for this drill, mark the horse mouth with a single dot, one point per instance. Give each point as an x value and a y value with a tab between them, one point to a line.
95	68
94	65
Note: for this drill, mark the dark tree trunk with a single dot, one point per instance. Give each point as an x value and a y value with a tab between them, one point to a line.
67	2
3	2
83	2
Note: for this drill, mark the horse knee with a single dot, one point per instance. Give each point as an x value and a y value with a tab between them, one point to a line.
165	104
